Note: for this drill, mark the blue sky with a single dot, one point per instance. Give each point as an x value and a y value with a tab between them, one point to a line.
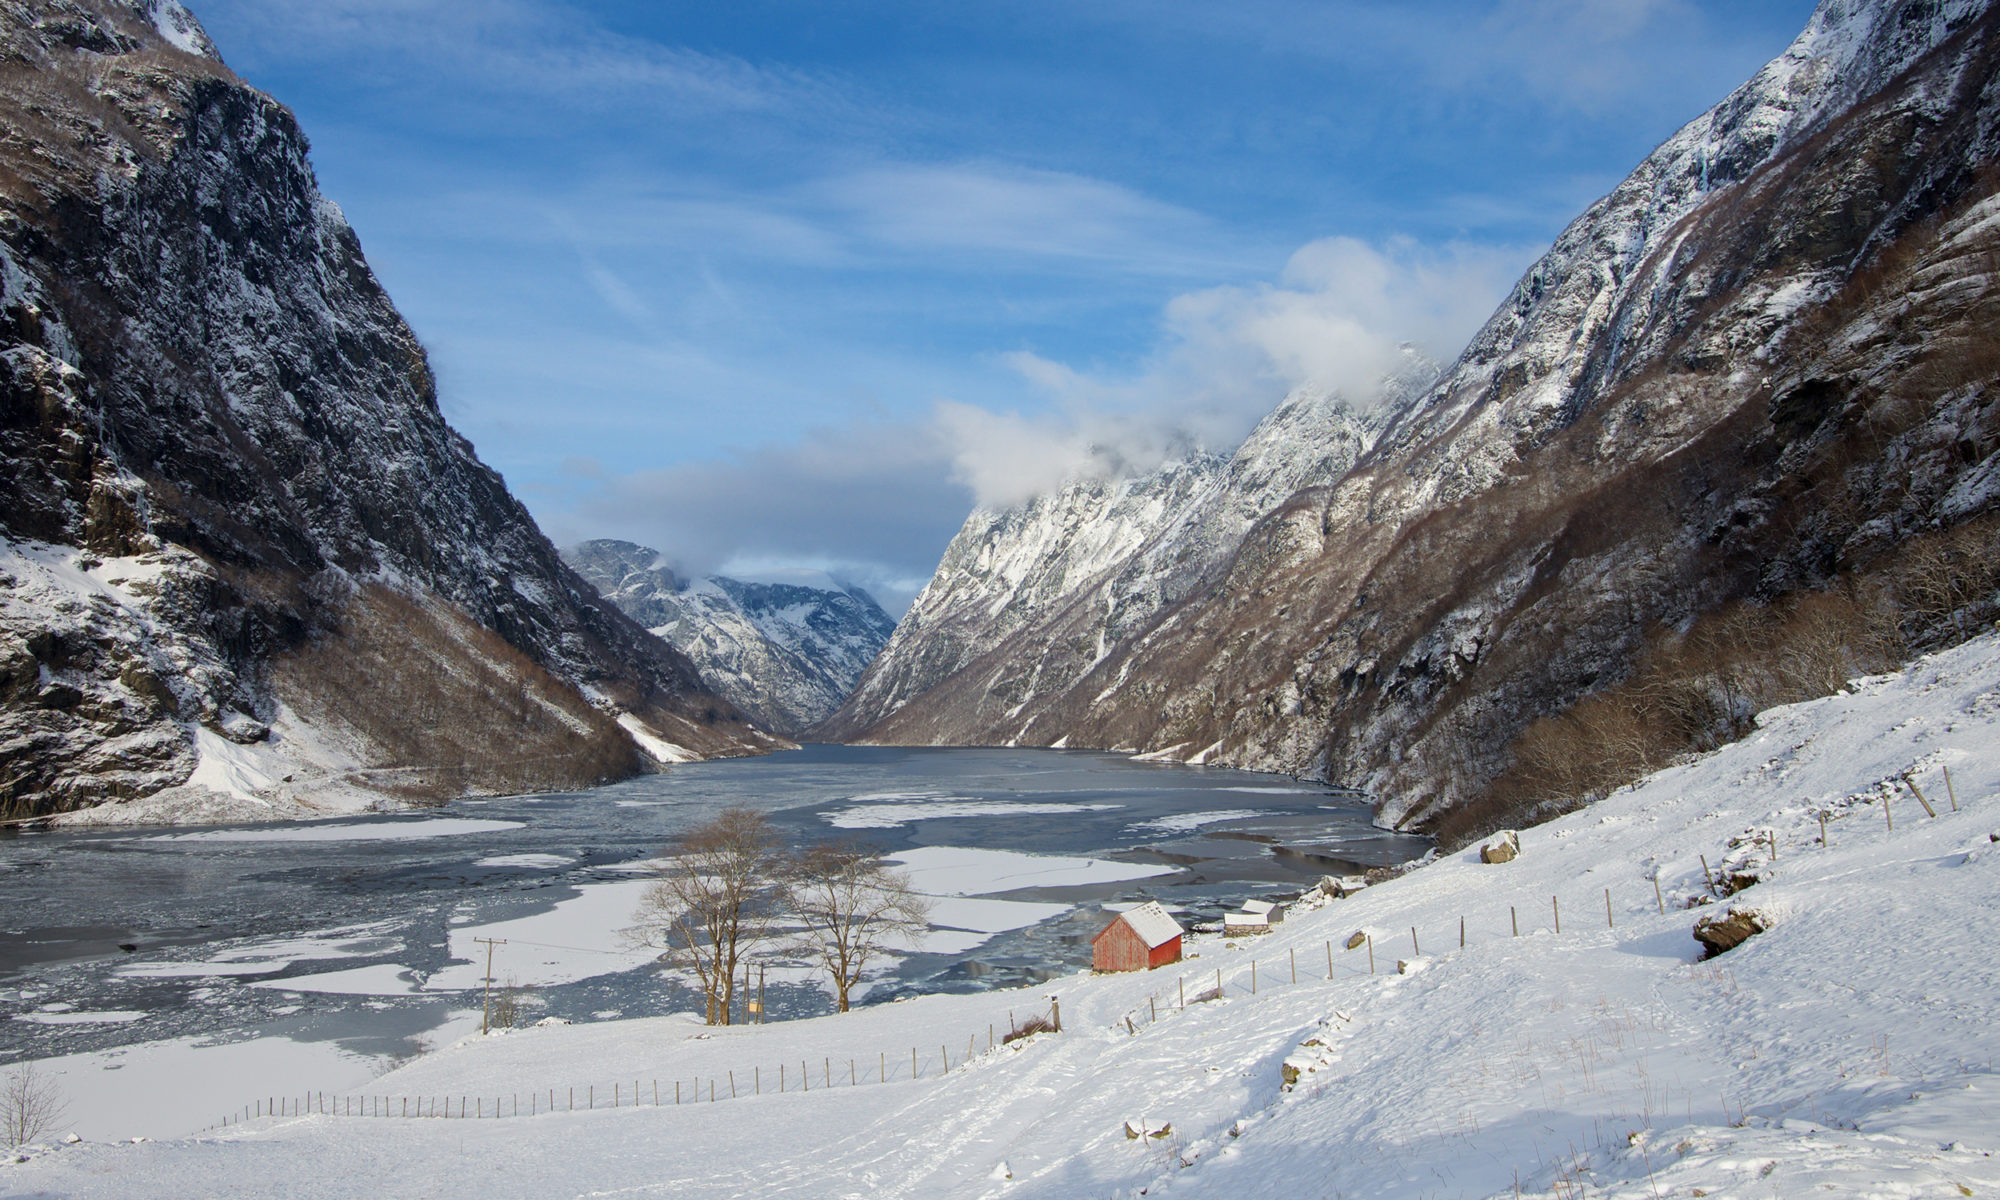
797	282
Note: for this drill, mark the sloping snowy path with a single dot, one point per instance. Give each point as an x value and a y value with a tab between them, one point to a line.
1849	1048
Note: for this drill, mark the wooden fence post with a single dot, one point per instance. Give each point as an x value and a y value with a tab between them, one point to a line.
1608	923
1707	878
1514	916
1556	908
1949	790
1657	897
1461	932
1295	965
1414	948
1329	960
1918	793
1371	954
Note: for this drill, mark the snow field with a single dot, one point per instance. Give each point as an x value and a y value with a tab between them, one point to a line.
1847	1049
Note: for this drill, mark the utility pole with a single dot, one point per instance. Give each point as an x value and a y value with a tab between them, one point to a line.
486	1005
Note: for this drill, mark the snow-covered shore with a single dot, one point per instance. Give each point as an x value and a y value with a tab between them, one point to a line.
1848	1048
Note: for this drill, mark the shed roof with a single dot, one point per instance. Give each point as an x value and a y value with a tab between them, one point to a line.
1151	922
1262	908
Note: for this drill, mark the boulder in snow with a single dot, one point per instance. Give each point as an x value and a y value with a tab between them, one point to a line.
1505	848
1728	931
1359	938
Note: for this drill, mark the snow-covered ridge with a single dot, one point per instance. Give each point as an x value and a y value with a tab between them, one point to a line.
1606	297
1027	599
178	26
786	649
1842	1050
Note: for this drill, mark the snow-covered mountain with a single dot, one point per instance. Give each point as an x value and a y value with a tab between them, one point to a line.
786	650
248	569
1758	368
1027	600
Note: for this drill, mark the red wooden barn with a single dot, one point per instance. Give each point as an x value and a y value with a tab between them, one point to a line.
1138	940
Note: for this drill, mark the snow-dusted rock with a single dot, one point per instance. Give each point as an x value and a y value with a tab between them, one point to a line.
786	650
1027	600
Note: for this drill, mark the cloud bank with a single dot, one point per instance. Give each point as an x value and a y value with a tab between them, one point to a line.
1335	319
855	499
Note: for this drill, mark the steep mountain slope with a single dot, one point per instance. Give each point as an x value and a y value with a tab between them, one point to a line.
785	652
1027	600
1762	365
231	504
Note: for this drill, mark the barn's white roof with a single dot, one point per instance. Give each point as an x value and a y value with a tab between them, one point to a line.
1261	908
1153	924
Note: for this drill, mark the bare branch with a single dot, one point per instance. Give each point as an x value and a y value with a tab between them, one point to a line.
851	906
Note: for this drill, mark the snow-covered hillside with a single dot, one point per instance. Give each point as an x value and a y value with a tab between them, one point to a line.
1027	599
785	649
1846	1049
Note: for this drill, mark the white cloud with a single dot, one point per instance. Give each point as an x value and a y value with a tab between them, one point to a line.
1336	318
870	501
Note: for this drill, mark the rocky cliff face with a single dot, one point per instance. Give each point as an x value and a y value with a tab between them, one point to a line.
1028	600
786	652
231	504
1762	365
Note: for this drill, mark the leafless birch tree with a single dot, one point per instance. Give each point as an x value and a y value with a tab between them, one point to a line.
850	904
713	899
33	1104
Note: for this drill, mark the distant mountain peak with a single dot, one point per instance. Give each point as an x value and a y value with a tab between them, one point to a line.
785	645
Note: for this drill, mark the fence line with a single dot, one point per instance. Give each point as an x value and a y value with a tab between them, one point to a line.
643	1092
1191	989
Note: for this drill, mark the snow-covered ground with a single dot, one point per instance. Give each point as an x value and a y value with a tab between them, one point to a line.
1849	1049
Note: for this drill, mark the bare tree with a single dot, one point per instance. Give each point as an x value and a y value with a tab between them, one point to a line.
33	1104
712	900
850	904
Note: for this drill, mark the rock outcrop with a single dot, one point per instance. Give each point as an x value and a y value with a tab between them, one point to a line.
247	564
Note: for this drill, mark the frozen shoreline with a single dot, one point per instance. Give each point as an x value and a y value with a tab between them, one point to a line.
1843	1048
